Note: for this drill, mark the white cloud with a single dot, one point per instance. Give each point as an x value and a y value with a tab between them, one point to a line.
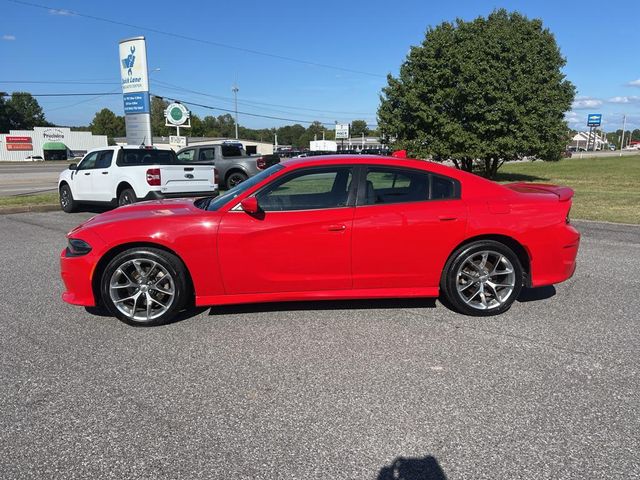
634	83
625	99
586	102
56	11
9	38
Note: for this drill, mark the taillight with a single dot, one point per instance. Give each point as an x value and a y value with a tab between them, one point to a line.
261	163
216	176
153	177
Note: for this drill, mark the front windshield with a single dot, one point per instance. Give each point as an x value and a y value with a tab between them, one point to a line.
216	203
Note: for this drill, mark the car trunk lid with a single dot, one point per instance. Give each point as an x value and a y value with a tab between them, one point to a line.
562	193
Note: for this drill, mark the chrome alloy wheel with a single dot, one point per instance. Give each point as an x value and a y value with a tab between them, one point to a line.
142	289
485	280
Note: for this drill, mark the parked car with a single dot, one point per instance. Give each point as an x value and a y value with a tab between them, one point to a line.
34	158
123	175
232	161
326	228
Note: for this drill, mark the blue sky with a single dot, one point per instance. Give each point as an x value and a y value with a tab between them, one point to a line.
599	39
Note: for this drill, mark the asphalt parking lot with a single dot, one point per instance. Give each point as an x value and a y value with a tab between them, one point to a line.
334	390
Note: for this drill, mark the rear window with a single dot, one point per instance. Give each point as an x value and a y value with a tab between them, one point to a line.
232	151
143	156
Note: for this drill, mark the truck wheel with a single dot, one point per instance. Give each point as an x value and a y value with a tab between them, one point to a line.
235	178
67	202
127	197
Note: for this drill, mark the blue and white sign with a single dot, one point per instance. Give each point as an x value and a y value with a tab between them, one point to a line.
133	65
136	102
594	120
134	76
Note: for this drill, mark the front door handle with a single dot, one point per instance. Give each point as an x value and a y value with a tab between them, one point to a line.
447	219
87	173
337	228
105	173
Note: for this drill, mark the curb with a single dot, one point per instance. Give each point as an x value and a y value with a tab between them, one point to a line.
30	208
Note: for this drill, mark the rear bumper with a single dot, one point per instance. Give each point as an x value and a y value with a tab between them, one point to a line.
156	195
556	262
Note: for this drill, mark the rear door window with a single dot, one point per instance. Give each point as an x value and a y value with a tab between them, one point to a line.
385	185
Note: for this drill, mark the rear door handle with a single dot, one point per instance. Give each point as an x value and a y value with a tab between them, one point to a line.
105	173
444	218
337	228
87	173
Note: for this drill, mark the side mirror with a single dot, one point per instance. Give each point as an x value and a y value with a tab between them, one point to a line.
250	205
73	166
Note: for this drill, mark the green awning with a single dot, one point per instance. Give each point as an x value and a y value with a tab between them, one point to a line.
54	146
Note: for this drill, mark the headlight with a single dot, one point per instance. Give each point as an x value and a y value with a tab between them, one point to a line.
77	247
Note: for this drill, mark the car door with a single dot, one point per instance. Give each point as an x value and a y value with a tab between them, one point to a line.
407	222
301	239
102	180
81	186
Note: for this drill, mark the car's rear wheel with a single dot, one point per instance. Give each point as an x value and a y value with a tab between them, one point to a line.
67	202
235	178
144	286
482	278
127	197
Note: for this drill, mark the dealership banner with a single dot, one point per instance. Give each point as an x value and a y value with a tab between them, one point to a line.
134	76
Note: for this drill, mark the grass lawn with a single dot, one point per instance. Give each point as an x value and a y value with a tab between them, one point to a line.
607	189
28	200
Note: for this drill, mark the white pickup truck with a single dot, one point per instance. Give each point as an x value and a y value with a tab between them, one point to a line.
123	175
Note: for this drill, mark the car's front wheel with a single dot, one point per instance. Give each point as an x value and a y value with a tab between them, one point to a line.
67	203
144	286
482	278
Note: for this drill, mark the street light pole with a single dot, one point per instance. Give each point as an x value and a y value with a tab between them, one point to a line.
624	125
235	97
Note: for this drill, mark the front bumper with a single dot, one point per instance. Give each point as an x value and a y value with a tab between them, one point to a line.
77	273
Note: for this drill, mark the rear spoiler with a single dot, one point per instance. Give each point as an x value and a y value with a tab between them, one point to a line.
563	193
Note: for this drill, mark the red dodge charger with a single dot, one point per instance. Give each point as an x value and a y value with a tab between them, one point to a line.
336	227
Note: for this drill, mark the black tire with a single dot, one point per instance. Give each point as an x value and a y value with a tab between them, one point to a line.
235	178
127	197
67	203
474	290
168	294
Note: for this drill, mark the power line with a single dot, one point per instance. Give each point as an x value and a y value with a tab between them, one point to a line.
60	94
210	107
198	40
58	82
253	102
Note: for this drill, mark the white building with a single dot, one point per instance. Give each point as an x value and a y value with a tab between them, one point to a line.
50	143
581	139
358	144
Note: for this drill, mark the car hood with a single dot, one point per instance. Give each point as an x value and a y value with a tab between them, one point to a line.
162	210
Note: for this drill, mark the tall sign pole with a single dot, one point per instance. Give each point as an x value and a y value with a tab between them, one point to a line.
624	125
134	76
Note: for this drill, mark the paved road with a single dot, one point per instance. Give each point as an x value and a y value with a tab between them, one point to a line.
336	390
27	177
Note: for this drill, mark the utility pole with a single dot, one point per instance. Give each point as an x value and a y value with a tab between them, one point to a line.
235	97
624	125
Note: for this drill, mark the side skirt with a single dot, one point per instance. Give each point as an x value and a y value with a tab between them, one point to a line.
202	301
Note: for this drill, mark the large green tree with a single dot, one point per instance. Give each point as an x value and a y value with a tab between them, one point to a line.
484	91
21	111
358	127
107	123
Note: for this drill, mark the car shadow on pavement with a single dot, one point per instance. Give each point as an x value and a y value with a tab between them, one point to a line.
535	294
402	468
375	304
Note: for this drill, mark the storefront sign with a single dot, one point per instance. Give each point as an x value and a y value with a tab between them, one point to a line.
136	102
17	139
19	146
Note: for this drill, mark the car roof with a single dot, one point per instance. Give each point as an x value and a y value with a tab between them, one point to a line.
359	159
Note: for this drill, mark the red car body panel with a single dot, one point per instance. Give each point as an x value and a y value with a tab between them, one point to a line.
369	251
